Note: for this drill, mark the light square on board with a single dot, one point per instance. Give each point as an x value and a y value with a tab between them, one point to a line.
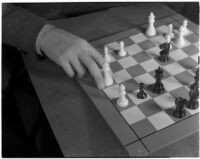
165	101
160	120
143	128
193	111
133	96
171	83
178	55
162	29
133	49
112	92
138	37
113	46
158	40
145	78
184	78
195	57
153	52
121	76
174	68
149	65
149	107
127	62
132	115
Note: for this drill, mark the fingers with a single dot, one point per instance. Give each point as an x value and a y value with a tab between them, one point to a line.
93	69
68	69
96	56
76	64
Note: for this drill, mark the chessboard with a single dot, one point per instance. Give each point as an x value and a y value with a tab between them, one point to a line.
147	125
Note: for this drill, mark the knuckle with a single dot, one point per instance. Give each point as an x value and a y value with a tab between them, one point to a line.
70	74
81	42
90	62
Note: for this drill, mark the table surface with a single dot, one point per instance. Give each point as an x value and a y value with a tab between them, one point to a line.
77	125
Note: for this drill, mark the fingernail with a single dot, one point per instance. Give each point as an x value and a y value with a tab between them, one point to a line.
101	85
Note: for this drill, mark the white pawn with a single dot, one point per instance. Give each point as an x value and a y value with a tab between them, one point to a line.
170	31
106	55
122	52
185	23
180	41
168	40
151	31
122	101
107	75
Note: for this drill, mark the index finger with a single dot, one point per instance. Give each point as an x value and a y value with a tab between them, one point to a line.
96	55
94	70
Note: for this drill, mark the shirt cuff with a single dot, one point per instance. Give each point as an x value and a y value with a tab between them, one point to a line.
40	36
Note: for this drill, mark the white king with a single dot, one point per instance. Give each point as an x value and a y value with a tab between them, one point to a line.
151	31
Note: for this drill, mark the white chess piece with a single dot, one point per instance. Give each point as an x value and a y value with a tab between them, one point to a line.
122	52
122	101
107	58
168	40
108	80
180	41
185	23
151	31
170	31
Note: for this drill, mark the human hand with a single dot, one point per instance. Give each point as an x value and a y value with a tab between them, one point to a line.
73	54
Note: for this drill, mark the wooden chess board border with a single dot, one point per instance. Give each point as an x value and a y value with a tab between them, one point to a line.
128	138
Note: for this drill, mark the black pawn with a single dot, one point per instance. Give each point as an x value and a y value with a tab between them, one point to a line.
158	86
179	112
164	53
141	94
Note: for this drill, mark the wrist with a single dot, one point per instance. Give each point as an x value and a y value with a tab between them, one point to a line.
40	36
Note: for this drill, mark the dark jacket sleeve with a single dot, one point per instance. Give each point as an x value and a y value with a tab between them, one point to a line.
20	27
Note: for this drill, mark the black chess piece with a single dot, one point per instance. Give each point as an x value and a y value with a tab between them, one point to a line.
179	111
194	93
196	77
158	86
141	94
164	53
